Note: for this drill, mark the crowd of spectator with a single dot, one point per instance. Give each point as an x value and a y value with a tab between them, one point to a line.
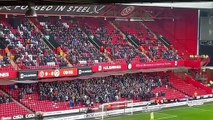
164	54
113	40
27	46
4	60
73	41
152	46
171	55
5	99
99	90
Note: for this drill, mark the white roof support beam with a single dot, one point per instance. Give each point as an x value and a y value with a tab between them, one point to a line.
195	5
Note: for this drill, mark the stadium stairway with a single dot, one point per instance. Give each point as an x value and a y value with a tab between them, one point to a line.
124	36
11	57
156	28
40	28
154	34
95	44
107	57
134	29
104	53
165	44
35	22
15	66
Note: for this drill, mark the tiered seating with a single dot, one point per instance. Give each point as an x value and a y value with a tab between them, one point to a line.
170	93
74	42
4	60
117	47
158	30
26	44
10	108
189	89
33	102
92	92
32	99
153	47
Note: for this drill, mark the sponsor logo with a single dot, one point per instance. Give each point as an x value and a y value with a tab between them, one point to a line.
5	74
128	10
99	68
91	115
6	8
176	63
17	117
67	72
80	72
6	118
195	103
129	66
56	73
77	9
22	75
41	74
112	67
28	75
30	116
87	71
153	64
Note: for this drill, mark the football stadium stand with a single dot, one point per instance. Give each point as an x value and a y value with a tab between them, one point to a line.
55	64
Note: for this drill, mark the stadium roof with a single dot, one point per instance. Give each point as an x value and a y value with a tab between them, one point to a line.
199	5
59	2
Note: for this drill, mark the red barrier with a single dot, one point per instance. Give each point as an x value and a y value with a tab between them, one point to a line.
123	66
154	65
109	67
53	73
8	74
193	63
68	72
180	63
8	68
